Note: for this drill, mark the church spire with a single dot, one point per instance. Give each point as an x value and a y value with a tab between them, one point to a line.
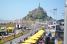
39	7
39	4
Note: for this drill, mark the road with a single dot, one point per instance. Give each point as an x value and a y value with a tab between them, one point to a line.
16	40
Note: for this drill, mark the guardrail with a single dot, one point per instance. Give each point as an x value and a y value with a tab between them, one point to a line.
33	39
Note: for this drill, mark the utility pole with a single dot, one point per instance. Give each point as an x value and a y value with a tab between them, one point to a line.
65	25
55	13
55	17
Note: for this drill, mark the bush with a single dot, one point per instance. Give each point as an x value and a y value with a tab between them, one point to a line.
1	41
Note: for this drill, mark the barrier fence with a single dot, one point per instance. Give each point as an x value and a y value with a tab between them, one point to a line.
33	39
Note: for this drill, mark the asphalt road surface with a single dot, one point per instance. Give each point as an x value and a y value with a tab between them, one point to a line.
21	38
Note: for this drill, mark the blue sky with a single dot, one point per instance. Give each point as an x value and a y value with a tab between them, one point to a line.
16	9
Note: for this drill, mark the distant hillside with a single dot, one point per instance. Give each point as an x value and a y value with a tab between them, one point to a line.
61	20
37	14
4	21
